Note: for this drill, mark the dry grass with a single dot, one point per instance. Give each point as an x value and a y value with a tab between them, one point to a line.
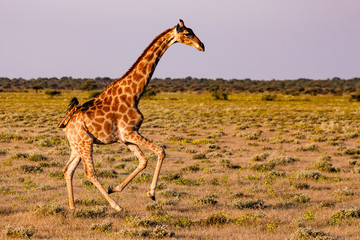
237	169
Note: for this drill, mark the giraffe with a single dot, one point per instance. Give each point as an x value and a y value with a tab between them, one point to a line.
114	117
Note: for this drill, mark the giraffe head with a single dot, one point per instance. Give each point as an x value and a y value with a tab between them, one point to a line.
187	36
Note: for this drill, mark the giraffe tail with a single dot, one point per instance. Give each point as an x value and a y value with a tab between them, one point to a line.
70	112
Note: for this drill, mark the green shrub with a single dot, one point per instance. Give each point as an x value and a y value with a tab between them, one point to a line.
206	200
282	161
215	219
309	233
138	222
154	207
7	190
300	198
309	147
91	213
107	173
268	97
310	175
187	182
300	186
20	232
169	193
20	156
48	209
325	166
251	204
7	163
157	232
183	222
225	163
30	169
260	157
105	226
219	95
172	176
135	233
261	167
192	168
161	231
36	157
52	93
354	97
142	177
57	174
87	202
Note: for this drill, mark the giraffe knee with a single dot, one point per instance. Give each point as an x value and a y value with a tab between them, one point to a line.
143	165
89	174
161	154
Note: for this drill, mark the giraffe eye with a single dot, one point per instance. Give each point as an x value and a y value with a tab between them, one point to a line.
187	34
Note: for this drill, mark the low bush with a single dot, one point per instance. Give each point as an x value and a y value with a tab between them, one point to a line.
215	219
20	232
48	209
105	226
30	169
250	204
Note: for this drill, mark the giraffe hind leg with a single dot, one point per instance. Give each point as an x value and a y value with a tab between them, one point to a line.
68	171
86	156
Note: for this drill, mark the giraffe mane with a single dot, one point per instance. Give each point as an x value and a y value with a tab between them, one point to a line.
145	51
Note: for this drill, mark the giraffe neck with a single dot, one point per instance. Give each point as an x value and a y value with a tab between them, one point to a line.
138	76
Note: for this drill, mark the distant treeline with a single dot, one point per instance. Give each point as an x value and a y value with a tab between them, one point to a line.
334	86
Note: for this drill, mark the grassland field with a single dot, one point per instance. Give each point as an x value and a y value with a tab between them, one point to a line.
243	168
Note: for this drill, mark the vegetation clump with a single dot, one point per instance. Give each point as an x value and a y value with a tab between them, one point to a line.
344	214
325	166
169	193
268	97
206	200
157	232
215	219
48	209
107	173
183	222
91	213
250	204
219	95
20	232
310	234
105	226
30	169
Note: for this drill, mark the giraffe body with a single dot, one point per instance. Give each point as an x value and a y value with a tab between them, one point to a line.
114	117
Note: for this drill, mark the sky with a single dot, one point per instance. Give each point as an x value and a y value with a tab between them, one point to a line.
256	39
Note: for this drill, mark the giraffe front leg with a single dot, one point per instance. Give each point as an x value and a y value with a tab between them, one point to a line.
142	165
137	139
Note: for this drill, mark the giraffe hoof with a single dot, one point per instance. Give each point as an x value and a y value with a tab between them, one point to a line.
118	208
75	209
151	196
110	189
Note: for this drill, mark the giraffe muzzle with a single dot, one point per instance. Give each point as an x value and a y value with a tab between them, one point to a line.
202	47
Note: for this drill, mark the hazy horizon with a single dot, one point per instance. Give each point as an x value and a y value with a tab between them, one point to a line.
258	39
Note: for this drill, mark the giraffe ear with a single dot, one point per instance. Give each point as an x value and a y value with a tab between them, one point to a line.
180	28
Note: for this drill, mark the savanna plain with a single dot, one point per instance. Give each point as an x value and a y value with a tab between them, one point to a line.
242	168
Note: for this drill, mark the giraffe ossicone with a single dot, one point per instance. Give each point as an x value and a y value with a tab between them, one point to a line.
114	117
